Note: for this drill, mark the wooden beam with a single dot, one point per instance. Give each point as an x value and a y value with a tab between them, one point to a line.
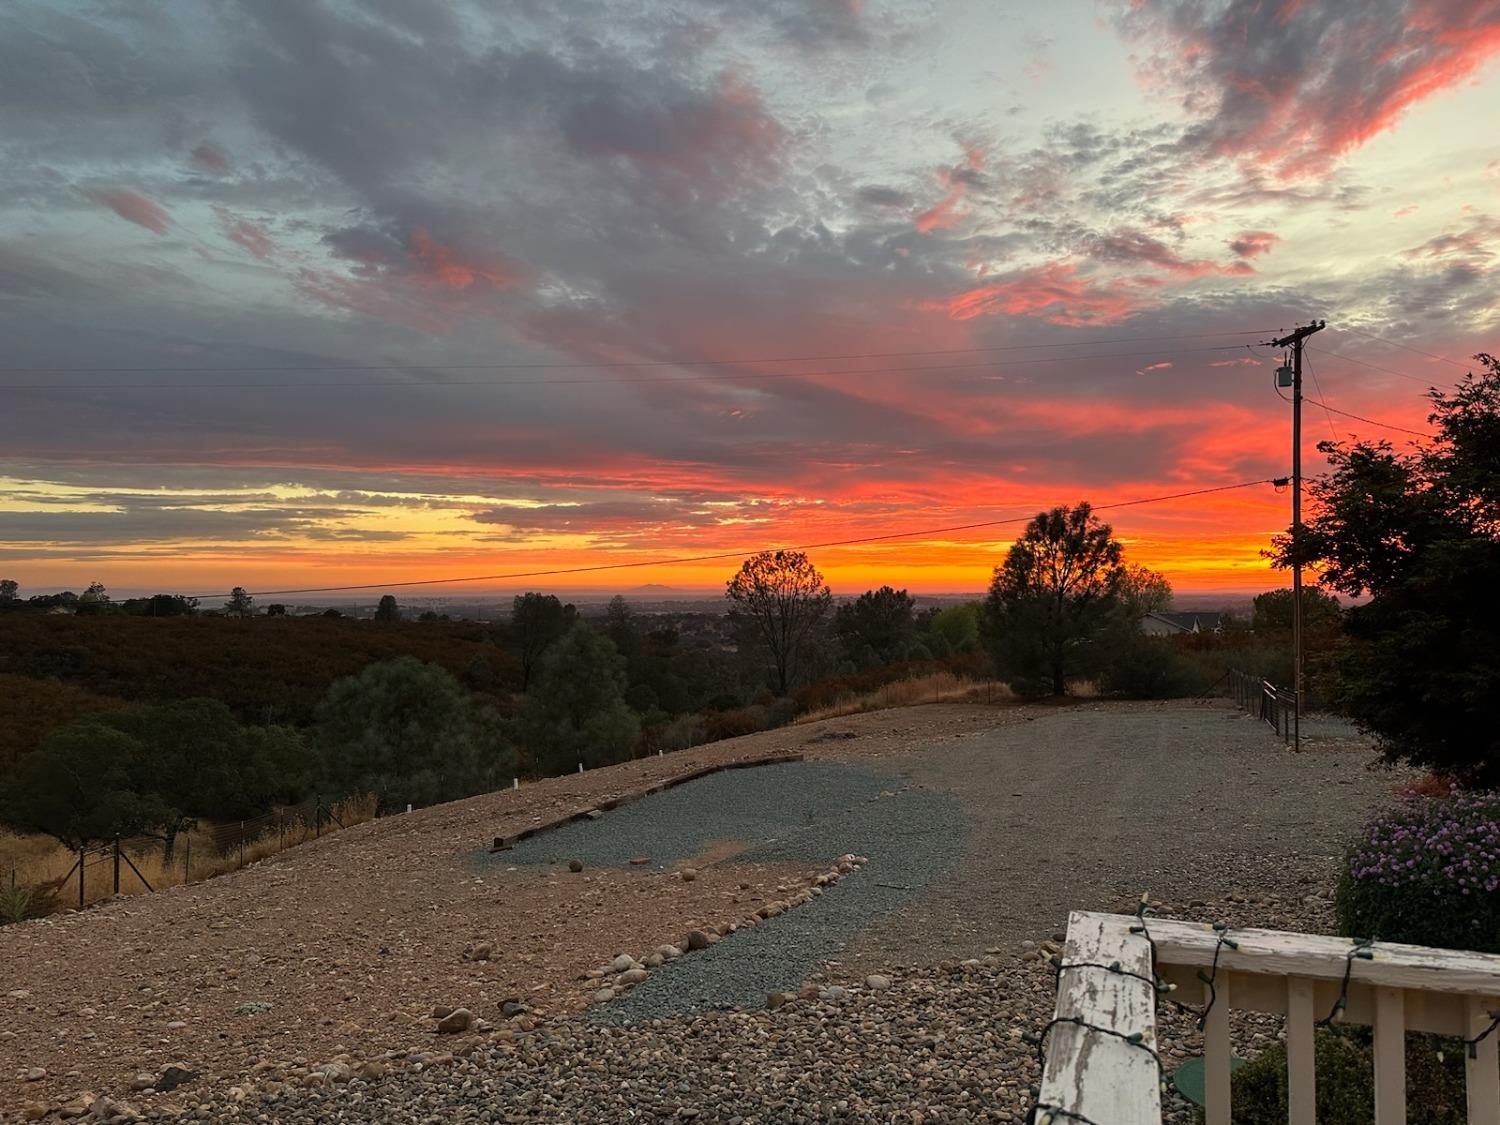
1091	1071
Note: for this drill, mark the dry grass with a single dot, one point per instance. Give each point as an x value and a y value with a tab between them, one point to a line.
939	687
47	868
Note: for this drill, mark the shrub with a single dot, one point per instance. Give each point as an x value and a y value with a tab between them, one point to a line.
681	733
1346	1071
15	905
1149	668
1427	872
733	724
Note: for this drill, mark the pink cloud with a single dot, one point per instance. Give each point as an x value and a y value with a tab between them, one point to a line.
956	180
445	266
247	234
1131	247
210	157
1293	85
1055	292
1253	243
134	207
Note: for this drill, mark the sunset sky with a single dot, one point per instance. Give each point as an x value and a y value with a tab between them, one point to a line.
305	294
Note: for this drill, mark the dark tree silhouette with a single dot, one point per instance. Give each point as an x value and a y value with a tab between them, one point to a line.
537	621
777	600
1051	600
881	622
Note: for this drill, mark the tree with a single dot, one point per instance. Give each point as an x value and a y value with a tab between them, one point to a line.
240	603
1143	591
621	626
95	599
537	621
9	590
409	733
879	622
388	610
1272	611
198	761
1419	533
85	785
276	609
776	602
1053	597
162	605
958	628
577	712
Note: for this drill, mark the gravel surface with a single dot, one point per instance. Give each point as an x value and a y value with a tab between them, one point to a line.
936	1043
326	962
1072	808
808	813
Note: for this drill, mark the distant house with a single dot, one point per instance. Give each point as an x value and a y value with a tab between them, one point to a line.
1175	624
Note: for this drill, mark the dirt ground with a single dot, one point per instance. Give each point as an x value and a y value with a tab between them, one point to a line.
343	946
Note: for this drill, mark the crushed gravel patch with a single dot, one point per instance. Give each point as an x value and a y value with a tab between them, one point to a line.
806	812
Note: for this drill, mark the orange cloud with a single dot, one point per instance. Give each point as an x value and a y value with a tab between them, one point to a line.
134	207
442	264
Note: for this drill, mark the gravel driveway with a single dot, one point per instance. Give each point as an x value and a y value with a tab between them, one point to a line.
1081	806
988	839
984	826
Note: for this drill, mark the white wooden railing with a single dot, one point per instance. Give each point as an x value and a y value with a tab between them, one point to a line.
1100	1061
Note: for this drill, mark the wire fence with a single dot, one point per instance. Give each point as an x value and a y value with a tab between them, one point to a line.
143	864
1275	706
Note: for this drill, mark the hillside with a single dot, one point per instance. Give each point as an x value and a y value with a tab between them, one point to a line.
263	668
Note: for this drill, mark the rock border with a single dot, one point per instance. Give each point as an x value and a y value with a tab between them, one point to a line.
594	812
624	972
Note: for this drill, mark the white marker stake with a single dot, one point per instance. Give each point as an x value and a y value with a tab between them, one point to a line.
515	783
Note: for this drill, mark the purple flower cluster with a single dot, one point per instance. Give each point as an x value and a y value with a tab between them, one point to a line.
1441	845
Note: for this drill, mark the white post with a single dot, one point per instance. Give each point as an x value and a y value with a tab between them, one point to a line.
1483	1070
1301	1067
1390	1056
1216	1053
580	767
408	806
515	783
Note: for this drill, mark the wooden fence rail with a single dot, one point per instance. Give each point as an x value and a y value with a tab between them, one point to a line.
1390	987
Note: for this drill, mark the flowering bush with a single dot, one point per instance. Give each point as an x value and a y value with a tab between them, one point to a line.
1427	872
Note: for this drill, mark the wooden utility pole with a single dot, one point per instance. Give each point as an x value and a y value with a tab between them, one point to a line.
1295	341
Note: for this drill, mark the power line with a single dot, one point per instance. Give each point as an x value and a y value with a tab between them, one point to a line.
1374	421
363	384
622	363
720	555
1405	347
1378	367
1322	401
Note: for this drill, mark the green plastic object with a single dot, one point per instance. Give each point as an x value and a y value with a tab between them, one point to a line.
1188	1078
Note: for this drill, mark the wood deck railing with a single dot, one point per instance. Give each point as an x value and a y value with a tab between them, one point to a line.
1100	1053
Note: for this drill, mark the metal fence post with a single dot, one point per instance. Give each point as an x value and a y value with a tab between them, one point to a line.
187	860
242	843
82	864
117	865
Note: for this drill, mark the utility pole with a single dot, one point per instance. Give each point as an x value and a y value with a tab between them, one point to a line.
1295	341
